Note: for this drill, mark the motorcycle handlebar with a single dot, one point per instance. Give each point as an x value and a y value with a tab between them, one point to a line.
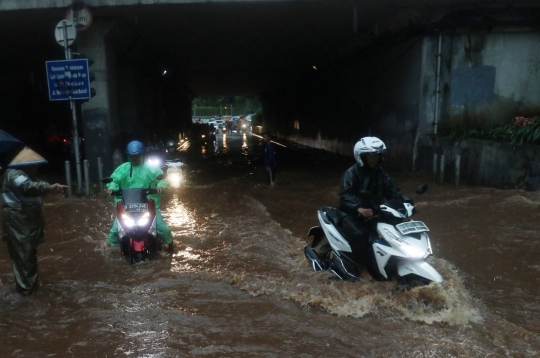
148	191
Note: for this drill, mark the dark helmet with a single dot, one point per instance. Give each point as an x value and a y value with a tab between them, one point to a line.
134	148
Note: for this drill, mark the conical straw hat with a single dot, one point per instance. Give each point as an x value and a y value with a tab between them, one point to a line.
27	157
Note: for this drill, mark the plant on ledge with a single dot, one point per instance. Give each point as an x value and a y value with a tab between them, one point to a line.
522	130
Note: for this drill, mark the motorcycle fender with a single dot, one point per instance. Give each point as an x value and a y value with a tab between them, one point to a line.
418	267
317	233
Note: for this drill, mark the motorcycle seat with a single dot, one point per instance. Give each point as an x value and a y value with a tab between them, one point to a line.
331	214
331	217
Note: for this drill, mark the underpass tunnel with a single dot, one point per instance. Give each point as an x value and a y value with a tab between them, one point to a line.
326	72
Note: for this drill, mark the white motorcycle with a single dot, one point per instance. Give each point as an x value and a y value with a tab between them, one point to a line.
175	177
398	245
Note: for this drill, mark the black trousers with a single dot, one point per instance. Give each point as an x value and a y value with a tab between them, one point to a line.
357	235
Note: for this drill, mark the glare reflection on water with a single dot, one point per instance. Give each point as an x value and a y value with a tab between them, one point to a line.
187	254
176	214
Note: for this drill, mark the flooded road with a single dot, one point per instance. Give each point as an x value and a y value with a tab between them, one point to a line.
238	284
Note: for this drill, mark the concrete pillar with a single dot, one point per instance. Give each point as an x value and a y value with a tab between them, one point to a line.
99	120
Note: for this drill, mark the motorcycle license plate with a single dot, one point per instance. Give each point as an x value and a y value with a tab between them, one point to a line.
411	227
137	207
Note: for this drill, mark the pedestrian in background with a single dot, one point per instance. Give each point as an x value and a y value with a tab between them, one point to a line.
270	163
23	218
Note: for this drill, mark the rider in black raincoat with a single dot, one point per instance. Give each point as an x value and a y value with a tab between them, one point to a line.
354	208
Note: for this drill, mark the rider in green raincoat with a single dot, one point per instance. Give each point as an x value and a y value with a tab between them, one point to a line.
136	174
23	219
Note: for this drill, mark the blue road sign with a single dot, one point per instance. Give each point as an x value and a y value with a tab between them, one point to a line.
68	79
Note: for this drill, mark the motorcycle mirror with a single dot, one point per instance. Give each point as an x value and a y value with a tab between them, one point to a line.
160	177
106	180
421	189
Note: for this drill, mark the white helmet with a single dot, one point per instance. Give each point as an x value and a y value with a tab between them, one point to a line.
367	145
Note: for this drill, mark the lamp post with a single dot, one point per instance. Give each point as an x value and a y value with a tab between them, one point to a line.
225	110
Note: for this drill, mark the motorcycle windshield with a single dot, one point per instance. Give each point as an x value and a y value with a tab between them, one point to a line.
133	197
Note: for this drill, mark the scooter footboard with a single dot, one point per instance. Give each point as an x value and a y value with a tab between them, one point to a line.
418	267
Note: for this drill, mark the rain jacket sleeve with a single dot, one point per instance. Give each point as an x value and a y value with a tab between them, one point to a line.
356	179
128	176
22	207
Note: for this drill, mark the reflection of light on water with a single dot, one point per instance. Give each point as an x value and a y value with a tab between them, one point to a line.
244	142
180	261
187	254
177	214
224	141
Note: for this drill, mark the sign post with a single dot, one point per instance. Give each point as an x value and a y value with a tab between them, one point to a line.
65	34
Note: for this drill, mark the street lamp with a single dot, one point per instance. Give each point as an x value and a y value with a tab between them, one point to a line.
225	110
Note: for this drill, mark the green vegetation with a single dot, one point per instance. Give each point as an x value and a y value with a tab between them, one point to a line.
522	130
237	106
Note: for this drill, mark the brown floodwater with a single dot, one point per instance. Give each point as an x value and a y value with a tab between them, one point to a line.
238	284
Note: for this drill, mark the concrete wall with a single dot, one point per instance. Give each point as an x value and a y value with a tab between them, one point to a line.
490	163
486	78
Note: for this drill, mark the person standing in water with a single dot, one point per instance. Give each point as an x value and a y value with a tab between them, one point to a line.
23	217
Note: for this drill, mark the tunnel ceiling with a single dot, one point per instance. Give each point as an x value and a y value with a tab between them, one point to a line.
241	48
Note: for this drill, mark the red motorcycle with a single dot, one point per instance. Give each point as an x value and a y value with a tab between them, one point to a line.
136	222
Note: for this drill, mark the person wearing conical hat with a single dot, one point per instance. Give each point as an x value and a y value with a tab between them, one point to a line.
23	222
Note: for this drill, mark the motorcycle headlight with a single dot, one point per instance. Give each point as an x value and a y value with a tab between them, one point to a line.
413	252
175	179
153	161
127	220
143	220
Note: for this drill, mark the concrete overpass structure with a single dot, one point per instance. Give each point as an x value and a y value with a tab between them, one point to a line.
327	71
